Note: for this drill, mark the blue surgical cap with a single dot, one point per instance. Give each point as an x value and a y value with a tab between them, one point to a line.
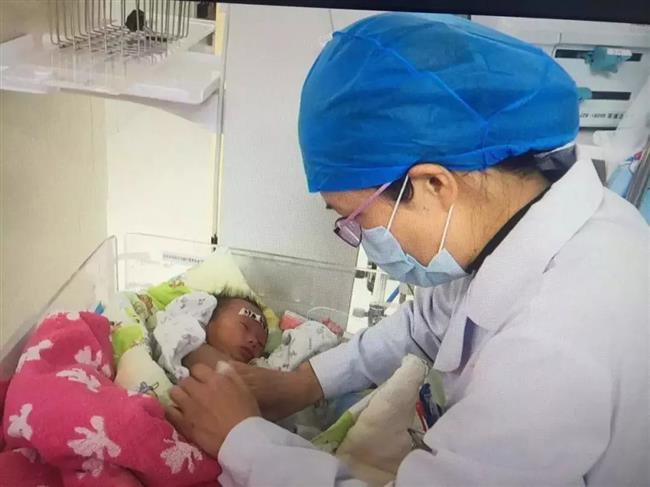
397	89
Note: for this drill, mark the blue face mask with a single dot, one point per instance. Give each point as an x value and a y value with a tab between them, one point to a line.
384	250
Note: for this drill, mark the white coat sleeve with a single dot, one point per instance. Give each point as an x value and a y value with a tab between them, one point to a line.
372	355
259	453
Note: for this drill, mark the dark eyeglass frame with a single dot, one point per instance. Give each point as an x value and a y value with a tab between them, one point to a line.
348	228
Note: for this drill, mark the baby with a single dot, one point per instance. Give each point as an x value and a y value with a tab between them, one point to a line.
203	328
236	331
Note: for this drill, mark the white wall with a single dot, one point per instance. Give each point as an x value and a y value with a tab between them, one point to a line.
53	196
264	203
52	184
160	173
342	18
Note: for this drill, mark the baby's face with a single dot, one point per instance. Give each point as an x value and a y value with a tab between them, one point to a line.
239	336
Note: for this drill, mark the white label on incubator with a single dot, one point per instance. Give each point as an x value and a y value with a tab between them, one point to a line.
617	51
181	259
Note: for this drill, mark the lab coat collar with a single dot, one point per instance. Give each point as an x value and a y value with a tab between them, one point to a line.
518	262
455	345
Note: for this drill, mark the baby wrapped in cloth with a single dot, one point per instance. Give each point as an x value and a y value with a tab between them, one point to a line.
196	327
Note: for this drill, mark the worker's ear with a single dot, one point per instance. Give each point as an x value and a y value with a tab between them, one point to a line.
433	182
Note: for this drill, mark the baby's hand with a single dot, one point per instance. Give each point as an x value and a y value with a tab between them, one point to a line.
206	355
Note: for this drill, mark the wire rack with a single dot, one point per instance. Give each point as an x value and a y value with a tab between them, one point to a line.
118	28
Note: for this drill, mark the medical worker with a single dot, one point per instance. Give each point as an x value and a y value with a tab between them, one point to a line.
446	148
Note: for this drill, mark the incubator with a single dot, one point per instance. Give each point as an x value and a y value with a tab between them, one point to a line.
312	289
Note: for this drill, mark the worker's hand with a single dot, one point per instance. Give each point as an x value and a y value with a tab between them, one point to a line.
209	404
280	394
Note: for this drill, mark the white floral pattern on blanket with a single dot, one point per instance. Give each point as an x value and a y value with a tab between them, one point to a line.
81	376
92	446
85	356
18	425
33	353
180	452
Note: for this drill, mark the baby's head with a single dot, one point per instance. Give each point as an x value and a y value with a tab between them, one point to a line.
238	328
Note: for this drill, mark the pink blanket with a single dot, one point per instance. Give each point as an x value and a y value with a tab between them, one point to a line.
64	423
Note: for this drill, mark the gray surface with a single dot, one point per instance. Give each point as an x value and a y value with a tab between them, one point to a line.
264	203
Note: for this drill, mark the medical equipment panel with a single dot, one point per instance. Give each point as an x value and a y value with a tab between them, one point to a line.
609	62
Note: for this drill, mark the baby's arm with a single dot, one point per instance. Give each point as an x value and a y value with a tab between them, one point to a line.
206	355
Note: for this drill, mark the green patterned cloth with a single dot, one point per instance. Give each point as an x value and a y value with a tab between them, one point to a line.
330	439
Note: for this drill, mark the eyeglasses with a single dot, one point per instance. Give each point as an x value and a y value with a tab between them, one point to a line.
348	228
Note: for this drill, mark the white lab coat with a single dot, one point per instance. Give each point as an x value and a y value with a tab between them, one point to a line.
545	355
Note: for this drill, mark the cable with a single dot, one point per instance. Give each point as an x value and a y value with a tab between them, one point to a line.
393	295
329	11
